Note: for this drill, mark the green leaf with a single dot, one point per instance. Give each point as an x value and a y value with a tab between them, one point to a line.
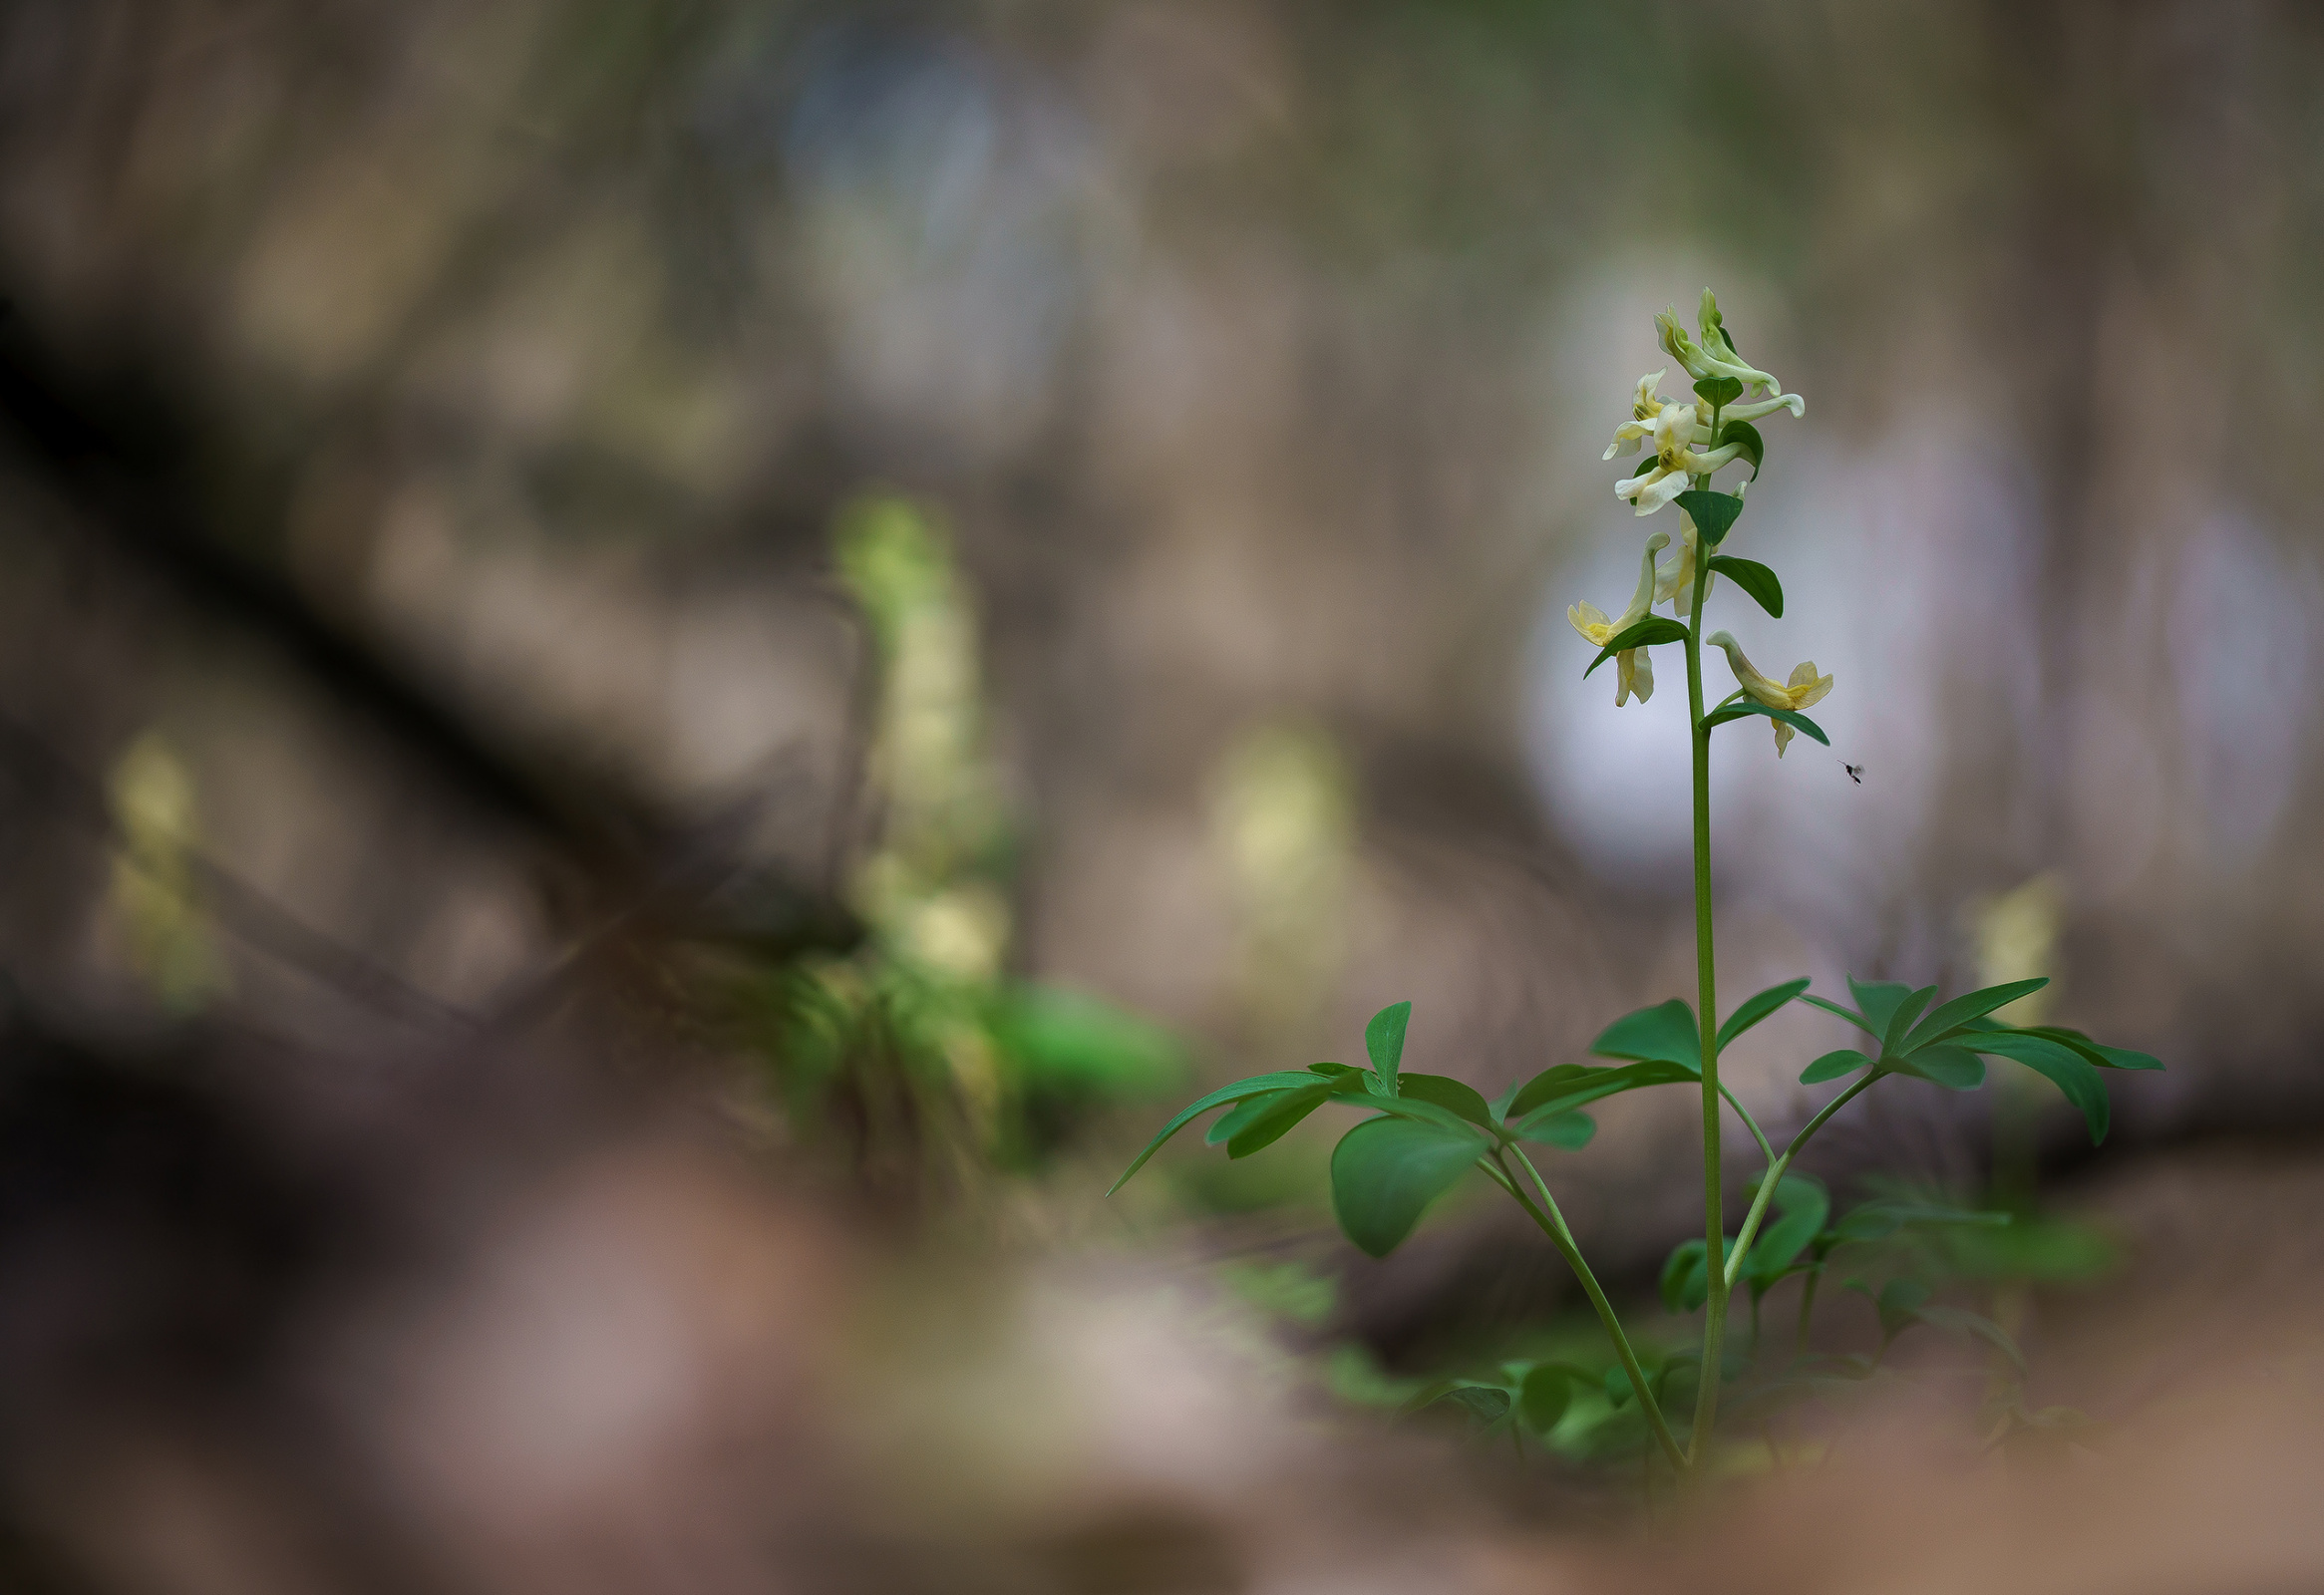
1848	1014
1719	389
1434	1390
1385	1172
1757	1007
1570	1086
2063	1066
1789	716
1282	1111
1900	1020
1428	1113
2100	1057
1713	512
1560	1128
1949	1017
1877	1001
1500	1104
1832	1065
1384	1040
1954	1068
1754	578
1256	1085
1665	1033
1686	1283
1617	1383
1488	1404
1755	447
1645	634
1455	1096
1803	1204
1543	1396
1482	1402
1226	1125
1334	1069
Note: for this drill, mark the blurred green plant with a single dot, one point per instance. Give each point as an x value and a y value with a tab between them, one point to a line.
918	1048
1426	1131
1283	820
152	794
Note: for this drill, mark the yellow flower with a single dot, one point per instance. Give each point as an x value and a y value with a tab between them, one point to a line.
1676	429
1643	408
1635	672
1804	688
1714	355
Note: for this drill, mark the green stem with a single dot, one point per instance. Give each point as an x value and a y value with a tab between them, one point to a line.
1706	1009
1749	1124
1552	1224
1767	1180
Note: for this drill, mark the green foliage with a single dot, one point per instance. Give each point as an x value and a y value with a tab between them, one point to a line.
1385	1172
1755	446
1383	1040
1686	1281
1665	1034
1713	512
1278	1112
1804	1205
1454	1095
1569	1131
1645	634
1755	579
1947	1047
1832	1065
1254	1085
1758	1006
1789	716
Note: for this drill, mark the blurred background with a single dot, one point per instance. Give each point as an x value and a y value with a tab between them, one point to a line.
670	669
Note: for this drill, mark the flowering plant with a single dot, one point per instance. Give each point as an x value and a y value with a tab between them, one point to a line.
1425	1131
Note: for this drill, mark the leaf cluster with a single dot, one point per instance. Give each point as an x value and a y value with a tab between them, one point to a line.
1947	1045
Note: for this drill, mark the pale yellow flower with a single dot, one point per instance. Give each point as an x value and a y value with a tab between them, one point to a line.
1643	408
1635	671
1714	354
1765	406
1676	429
1804	688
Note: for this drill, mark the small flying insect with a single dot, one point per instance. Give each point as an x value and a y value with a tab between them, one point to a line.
1855	773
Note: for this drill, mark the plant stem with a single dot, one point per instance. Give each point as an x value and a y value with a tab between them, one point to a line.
1707	1009
1749	1124
1552	1224
1767	1180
